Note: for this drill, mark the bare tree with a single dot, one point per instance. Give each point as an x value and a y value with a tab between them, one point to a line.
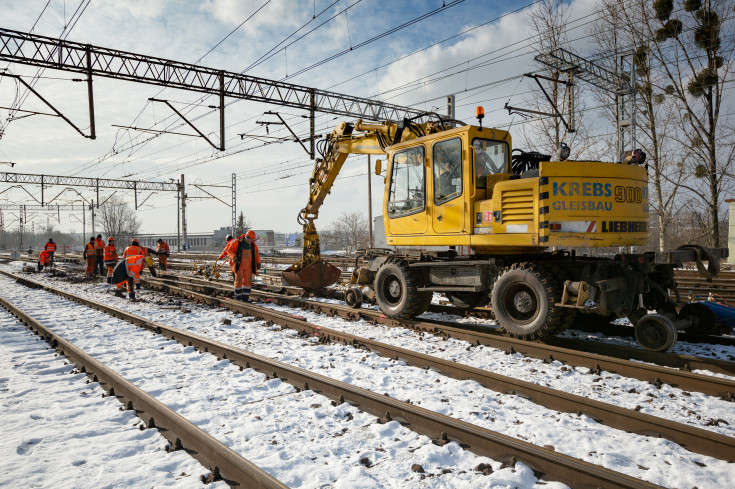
349	231
242	224
547	22
118	220
698	60
617	29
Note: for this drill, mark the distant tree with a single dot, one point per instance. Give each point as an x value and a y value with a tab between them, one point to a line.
117	219
349	231
242	224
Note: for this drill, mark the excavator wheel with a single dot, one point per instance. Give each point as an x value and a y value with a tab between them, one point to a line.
396	290
523	300
468	300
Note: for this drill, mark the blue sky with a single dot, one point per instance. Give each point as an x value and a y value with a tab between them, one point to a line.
186	31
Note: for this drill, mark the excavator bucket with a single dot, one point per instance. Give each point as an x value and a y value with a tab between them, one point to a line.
318	275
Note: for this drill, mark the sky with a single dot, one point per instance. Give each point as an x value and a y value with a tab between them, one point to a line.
474	49
58	431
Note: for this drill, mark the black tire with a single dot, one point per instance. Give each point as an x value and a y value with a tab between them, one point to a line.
468	300
396	291
568	314
524	299
353	297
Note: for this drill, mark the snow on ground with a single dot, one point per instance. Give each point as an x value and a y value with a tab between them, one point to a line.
58	431
651	459
300	438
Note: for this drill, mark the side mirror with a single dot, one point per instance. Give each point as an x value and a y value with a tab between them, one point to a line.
378	167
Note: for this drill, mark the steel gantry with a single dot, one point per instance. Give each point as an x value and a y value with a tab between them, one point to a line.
622	84
31	49
96	183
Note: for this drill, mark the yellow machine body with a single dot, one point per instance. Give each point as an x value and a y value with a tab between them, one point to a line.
492	210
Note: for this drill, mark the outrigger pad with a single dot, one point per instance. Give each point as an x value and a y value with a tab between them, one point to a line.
318	275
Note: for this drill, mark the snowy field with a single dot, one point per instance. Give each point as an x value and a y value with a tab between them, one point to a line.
300	438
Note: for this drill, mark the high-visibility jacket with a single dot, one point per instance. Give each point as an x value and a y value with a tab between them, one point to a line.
134	250
90	250
99	245
224	251
163	249
50	247
134	265
44	258
231	250
110	255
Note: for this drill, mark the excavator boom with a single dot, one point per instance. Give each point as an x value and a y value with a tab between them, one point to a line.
346	139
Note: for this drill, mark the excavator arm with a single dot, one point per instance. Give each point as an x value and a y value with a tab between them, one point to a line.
346	139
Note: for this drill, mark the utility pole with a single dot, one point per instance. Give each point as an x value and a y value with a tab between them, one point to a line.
20	226
178	216
91	207
370	205
2	230
183	211
84	226
234	204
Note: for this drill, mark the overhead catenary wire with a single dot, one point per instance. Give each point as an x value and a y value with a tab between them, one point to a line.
529	38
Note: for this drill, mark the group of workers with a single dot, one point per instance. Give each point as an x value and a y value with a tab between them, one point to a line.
125	273
242	253
46	257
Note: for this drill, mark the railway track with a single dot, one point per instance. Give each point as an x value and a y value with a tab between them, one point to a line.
223	462
604	357
620	418
441	428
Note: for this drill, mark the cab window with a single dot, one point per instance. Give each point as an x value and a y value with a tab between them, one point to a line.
407	195
491	157
447	157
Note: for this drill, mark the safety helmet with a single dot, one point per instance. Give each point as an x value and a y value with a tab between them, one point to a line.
110	239
99	236
91	240
229	237
160	240
134	241
251	234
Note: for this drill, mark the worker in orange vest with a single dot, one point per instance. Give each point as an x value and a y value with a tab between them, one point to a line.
110	258
100	250
224	253
163	253
50	247
244	262
44	260
127	272
135	250
90	255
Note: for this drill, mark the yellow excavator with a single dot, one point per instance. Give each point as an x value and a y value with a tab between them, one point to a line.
480	222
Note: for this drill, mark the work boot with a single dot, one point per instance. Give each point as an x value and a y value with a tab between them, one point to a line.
137	286
119	293
109	280
132	296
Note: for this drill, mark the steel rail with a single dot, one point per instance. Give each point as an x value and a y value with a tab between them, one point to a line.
694	439
544	461
223	462
611	358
